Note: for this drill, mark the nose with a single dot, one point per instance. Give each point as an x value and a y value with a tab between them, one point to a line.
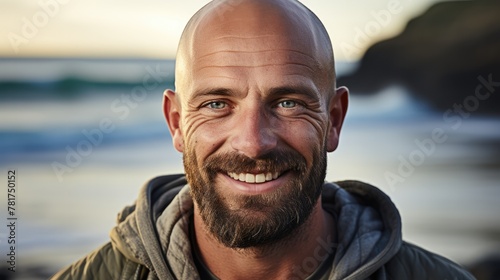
253	134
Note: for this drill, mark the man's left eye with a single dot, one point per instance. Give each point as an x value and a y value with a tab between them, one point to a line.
216	105
287	104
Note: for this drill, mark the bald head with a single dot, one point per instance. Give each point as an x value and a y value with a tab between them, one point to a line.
252	28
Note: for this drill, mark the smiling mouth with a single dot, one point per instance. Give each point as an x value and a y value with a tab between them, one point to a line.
254	178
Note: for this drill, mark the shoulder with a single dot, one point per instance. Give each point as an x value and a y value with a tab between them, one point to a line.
107	262
413	262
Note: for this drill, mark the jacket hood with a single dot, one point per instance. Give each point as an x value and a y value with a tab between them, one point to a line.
136	235
368	228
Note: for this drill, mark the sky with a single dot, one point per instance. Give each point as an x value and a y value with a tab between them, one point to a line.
151	28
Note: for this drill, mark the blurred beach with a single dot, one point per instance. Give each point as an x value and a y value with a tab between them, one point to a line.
84	134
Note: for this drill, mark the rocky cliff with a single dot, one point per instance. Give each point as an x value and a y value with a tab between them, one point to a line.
449	56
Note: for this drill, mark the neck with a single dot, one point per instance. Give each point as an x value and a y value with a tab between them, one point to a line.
285	259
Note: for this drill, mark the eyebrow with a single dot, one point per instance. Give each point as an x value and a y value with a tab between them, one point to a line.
213	92
308	92
275	92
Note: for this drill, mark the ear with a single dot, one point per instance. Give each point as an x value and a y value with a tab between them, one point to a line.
337	111
171	110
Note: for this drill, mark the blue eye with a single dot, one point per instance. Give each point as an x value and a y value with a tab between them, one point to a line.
287	104
216	105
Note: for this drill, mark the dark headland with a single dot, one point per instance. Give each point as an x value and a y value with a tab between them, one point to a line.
448	55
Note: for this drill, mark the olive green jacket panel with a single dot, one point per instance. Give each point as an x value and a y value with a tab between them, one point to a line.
151	240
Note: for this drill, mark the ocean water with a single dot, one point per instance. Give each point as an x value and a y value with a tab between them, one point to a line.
84	135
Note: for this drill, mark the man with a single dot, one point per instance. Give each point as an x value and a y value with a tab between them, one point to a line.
254	113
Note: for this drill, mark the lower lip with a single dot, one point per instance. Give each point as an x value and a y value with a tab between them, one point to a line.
254	189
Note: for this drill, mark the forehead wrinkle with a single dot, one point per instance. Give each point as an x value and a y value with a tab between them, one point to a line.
256	66
221	37
259	58
260	41
257	51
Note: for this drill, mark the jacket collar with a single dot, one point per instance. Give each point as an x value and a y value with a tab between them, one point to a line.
155	231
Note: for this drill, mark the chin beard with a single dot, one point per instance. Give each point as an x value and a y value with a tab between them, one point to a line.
244	221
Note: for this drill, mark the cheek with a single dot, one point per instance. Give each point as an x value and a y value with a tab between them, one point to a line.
203	137
305	137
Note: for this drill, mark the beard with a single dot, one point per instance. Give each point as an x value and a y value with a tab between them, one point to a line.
244	221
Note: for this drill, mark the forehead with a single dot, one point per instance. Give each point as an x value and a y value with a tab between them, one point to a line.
261	62
241	51
233	52
253	41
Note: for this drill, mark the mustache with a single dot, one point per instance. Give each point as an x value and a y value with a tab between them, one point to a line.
273	161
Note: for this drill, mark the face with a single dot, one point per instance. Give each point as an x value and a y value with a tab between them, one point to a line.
254	122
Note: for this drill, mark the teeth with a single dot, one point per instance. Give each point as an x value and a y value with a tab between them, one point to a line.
269	176
254	178
250	178
260	178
